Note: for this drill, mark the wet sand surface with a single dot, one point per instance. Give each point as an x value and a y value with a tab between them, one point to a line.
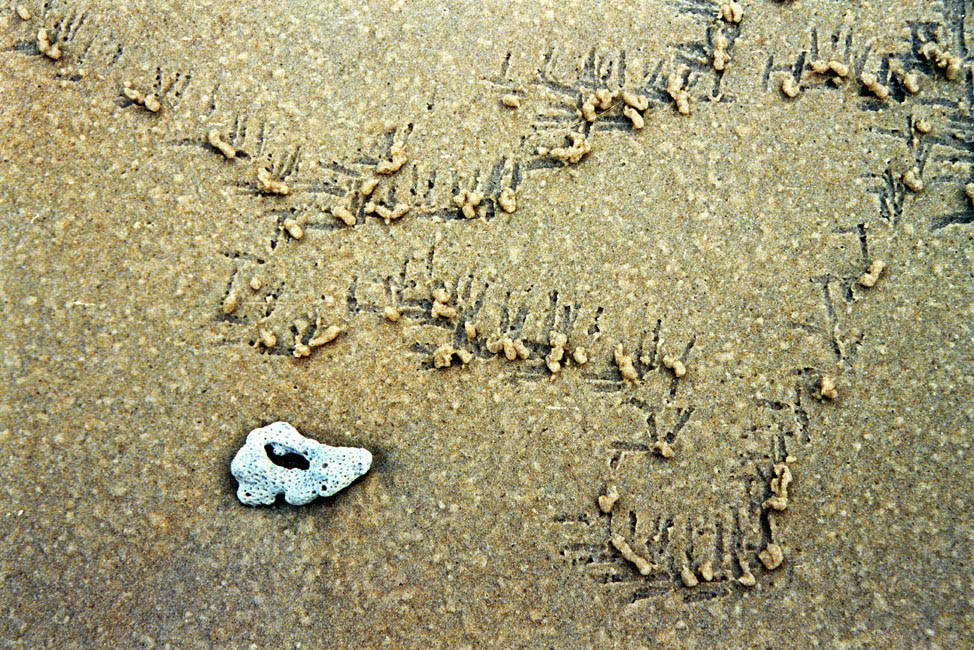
160	300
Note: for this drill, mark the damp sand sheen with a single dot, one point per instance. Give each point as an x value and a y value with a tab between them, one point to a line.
654	321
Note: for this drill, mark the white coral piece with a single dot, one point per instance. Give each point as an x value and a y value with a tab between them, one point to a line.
263	468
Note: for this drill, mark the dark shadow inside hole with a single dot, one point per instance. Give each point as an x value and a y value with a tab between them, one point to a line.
290	460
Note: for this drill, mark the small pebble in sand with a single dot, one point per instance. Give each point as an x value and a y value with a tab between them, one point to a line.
392	314
23	12
790	87
328	335
343	214
573	154
870	81
230	302
48	49
608	500
270	185
828	388
579	355
470	330
644	566
731	12
267	338
674	88
624	363
511	100
215	138
468	203
293	228
507	200
674	364
398	158
771	557
721	57
912	181
871	276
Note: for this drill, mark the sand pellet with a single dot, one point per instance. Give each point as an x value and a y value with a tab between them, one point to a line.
608	500
23	13
440	295
523	352
969	191
509	350
368	186
465	356
443	356
398	155
911	179
870	81
467	202
267	338
48	49
293	228
152	104
511	101
579	355
639	102
270	185
442	310
216	141
721	57
637	120
731	12
871	276
507	200
674	88
343	214
470	330
747	579
301	350
674	364
230	302
391	313
790	87
828	388
663	448
327	336
644	566
771	557
255	283
779	487
839	68
911	82
922	126
688	577
571	155
624	363
707	571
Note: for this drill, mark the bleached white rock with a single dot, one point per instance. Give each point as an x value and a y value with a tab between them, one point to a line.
276	459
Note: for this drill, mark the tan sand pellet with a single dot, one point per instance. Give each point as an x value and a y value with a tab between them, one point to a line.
604	97
269	185
152	104
343	214
969	191
839	68
48	49
707	571
391	314
588	109
511	101
509	350
911	82
721	58
608	500
674	364
731	12
674	88
820	66
215	138
779	488
790	87
633	100
637	120
442	310
870	81
923	126
579	148
771	557
912	181
368	186
267	338
523	352
468	202
644	566
747	579
301	350
293	228
827	388
230	302
507	200
398	155
688	577
255	283
470	330
624	363
871	276
663	448
580	356
466	356
329	334
23	13
440	295
443	356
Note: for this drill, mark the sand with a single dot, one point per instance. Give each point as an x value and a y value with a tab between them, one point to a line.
169	277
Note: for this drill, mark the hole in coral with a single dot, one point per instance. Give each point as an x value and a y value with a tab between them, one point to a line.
287	460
